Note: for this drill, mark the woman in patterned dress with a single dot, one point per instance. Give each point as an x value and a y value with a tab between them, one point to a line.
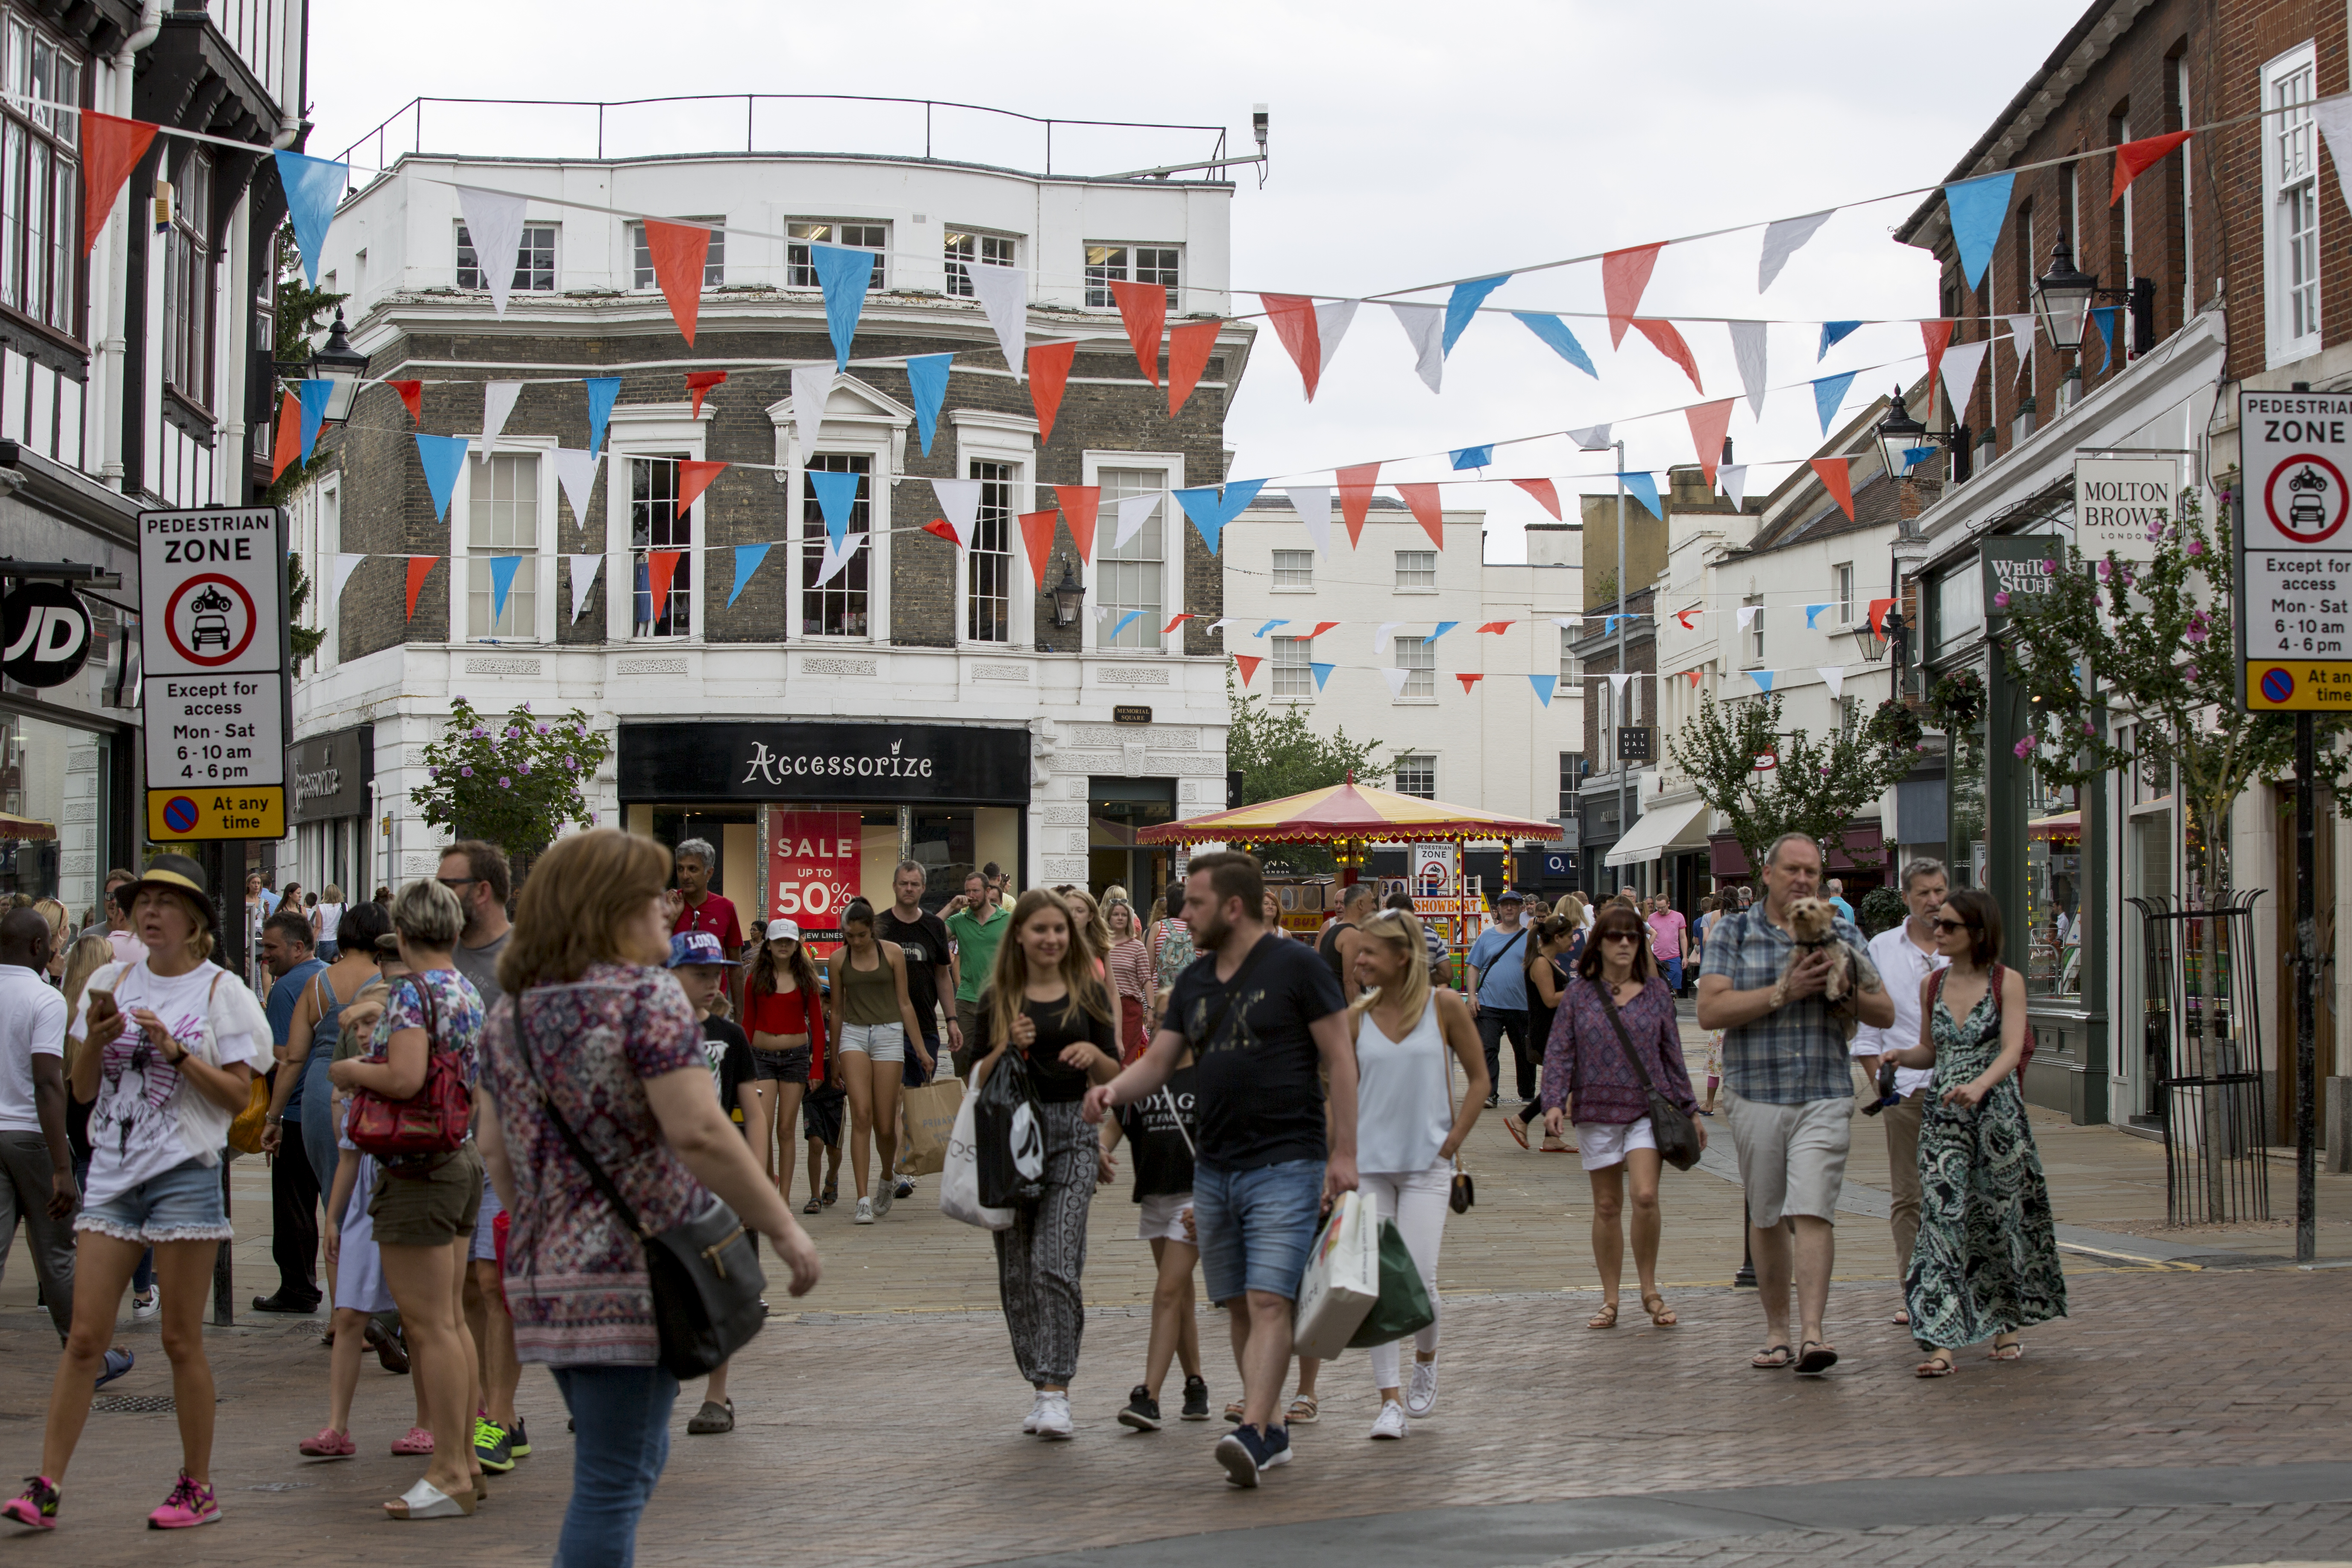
1986	1264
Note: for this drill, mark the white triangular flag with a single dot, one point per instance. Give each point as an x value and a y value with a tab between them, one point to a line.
830	566
1748	348
1381	637
575	470
494	224
959	499
1961	363
497	402
1221	622
1004	293
2020	338
1331	324
812	385
1396	678
345	564
1134	511
1591	438
1835	678
1617	684
1570	623
2334	117
1313	505
583	577
1425	326
1733	477
1748	614
1782	240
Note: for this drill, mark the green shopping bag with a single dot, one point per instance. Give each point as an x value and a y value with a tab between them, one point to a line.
1404	1307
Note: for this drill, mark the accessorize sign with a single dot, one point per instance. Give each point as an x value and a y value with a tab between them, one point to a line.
812	872
790	760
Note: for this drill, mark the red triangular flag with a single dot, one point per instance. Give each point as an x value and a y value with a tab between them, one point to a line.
1468	682
1937	336
1356	496
1049	371
412	393
1144	307
1670	343
944	529
1693	675
693	477
1176	621
698	382
661	566
1293	316
1685	616
2133	157
290	437
1079	503
1248	663
1545	492
1038	534
679	251
110	148
1878	609
1624	274
1320	628
1709	424
1498	627
1422	500
420	567
1188	355
1837	477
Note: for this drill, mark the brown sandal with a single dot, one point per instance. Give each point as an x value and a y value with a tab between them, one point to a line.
2013	1349
1661	1316
1938	1364
1605	1318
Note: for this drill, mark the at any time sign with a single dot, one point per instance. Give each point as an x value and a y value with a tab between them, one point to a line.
2294	553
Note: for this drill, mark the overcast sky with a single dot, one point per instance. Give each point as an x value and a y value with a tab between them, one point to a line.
1410	143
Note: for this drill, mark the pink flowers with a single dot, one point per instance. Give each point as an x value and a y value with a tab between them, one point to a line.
2089	728
2106	570
2025	748
2199	627
2001	600
465	773
2196	547
2050	568
505	784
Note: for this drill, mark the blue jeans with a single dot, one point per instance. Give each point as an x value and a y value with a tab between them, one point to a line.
1256	1226
620	1418
1673	968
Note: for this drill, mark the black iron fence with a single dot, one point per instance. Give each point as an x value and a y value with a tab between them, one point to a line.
2203	1036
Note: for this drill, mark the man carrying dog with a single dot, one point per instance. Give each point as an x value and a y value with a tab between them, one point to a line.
1790	1088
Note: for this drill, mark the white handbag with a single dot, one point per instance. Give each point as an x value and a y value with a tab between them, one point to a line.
959	1177
1342	1279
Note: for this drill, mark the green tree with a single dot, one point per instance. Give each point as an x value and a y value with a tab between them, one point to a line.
1278	754
514	781
305	640
1809	786
300	311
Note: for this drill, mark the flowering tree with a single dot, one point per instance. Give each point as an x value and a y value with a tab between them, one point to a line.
1803	786
514	781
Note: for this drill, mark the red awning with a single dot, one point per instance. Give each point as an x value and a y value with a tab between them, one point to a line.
1726	858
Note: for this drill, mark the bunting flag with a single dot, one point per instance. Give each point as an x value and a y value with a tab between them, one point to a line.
1247	663
1320	628
290	436
1294	322
1878	609
1189	347
1471	456
2021	340
345	564
693	477
1124	622
1313	505
1468	682
1591	438
1617	684
680	252
1003	295
1832	677
927	381
1175	621
1669	342
832	563
1811	612
313	394
1442	628
1559	339
1544	685
1049	372
412	394
1079	503
1356	497
420	567
811	390
1978	209
959	499
845	275
747	562
1381	634
444	457
1684	617
1211	510
1762	678
602	391
1644	487
2132	158
583	577
1782	240
1624	275
1426	511
941	528
110	148
1143	310
1694	677
699	383
502	577
661	571
1037	536
1709	424
494	225
836	496
498	405
1267	628
313	187
1829	392
1937	337
1834	333
1424	328
1396	678
575	475
1547	495
1734	478
1837	477
1498	627
1461	306
1331	323
2103	317
1134	511
1747	352
2334	116
1961	363
1322	673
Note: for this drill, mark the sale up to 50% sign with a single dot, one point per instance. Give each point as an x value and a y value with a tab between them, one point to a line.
2295	554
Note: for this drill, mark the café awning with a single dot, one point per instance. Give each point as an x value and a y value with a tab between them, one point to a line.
1677	827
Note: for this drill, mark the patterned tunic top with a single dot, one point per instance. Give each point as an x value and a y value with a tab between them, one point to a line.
576	1277
1586	1060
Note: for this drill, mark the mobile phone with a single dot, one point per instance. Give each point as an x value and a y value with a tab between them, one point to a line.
102	1006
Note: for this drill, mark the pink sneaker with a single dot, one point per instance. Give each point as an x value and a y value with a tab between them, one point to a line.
188	1505
329	1445
38	1509
418	1441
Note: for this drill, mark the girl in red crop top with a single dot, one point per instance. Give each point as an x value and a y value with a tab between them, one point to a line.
784	1012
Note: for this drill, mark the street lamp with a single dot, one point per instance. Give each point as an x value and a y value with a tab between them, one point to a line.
343	367
1871	640
1900	436
1069	596
2061	296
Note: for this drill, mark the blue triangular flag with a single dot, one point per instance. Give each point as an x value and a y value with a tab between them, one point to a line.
1762	678
602	392
1124	622
1914	455
1443	628
1543	684
1268	626
313	186
1473	456
1462	305
1831	331
836	494
1828	393
502	577
1555	333
444	457
1210	512
747	561
927	378
843	273
314	394
2105	316
1644	487
1322	673
1978	209
1811	611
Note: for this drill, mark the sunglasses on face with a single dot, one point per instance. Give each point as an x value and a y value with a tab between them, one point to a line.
1621	936
1951	925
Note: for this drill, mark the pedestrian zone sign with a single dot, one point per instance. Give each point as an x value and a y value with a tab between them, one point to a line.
2295	554
212	649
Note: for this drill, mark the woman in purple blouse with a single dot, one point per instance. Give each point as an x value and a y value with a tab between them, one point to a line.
1588	1082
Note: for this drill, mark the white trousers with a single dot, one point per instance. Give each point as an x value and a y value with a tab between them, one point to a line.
1418	1202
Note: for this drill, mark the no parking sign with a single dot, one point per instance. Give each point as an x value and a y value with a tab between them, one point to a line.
2294	554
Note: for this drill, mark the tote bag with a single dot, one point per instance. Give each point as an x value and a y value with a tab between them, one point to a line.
959	1176
1342	1279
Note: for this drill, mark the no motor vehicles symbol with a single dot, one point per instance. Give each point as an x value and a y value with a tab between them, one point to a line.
2306	498
210	619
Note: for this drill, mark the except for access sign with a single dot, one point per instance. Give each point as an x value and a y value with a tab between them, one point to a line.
2295	554
213	645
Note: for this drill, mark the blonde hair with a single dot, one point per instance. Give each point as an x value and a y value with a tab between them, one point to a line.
331	895
90	953
1097	929
582	892
199	940
428	914
1010	978
1400	929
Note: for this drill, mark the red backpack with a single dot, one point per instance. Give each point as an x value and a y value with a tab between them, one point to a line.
1935	993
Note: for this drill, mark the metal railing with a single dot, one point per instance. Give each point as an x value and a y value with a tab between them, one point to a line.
2204	1034
386	143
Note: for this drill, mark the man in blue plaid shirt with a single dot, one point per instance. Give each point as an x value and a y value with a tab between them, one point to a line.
1790	1087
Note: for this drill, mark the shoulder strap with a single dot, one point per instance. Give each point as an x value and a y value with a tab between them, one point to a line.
588	1162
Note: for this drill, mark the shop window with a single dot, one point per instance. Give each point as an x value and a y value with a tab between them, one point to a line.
837	606
657	522
502	521
1132	577
988	564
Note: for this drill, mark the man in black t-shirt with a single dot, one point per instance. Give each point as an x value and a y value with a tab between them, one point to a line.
1262	1014
925	938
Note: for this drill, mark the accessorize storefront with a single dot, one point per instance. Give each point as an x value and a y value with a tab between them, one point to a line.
330	808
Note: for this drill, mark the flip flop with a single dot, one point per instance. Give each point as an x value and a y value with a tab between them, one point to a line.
1939	1364
2013	1351
814	1206
1517	1129
1771	1358
1817	1359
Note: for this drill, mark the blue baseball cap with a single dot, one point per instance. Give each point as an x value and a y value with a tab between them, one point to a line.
697	949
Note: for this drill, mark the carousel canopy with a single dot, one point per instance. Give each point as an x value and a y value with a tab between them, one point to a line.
1344	812
14	826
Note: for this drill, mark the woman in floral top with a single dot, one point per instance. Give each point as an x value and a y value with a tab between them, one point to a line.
591	1019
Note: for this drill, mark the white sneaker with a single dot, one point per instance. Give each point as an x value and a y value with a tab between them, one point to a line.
882	1191
865	1214
1421	1393
1036	1408
1054	1417
1391	1422
146	1306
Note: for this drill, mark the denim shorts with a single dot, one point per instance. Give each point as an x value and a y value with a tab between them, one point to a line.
485	1249
878	1043
183	1204
1255	1226
789	1065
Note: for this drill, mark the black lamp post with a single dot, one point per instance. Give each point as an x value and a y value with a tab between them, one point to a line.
1069	596
343	367
1899	436
2062	297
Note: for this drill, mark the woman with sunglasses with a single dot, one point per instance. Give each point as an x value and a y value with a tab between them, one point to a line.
1616	1002
1986	1263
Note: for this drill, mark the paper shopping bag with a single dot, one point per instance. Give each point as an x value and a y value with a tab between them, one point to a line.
1342	1279
930	1119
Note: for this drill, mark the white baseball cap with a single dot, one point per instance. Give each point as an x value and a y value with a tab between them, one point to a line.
781	929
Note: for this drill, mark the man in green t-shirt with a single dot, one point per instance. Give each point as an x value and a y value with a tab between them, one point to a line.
976	928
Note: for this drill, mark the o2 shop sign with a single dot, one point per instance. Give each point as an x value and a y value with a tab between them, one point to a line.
812	871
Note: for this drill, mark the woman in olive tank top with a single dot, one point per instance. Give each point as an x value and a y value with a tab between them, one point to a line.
874	1028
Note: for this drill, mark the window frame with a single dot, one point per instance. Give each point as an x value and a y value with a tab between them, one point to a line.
648	430
985	436
1173	529
968	561
191	274
1299	670
1402	586
1417	654
2284	345
807	545
714	263
1752	636
1422	763
1841	590
461	545
953	266
462	241
1292	571
879	282
1105	272
59	218
1568	664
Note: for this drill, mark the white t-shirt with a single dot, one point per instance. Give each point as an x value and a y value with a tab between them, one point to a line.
32	1023
326	920
147	1118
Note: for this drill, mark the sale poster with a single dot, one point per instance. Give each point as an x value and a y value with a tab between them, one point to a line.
812	872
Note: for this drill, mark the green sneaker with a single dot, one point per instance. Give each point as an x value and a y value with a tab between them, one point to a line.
491	1446
519	1440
